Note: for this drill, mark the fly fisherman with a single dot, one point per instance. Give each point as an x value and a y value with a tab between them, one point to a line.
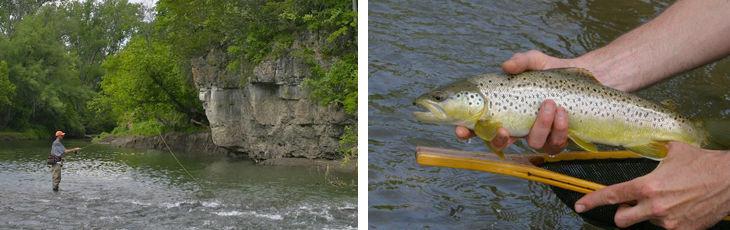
55	159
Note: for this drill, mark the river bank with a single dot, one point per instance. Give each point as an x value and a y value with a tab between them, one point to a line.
203	143
185	142
19	136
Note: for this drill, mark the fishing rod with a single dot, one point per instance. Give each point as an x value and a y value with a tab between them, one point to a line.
88	146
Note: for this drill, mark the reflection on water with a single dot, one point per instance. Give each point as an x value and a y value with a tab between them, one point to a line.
104	187
415	46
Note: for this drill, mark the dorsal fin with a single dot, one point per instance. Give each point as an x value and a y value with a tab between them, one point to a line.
576	72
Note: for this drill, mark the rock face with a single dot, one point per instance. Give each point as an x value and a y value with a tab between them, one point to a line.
263	110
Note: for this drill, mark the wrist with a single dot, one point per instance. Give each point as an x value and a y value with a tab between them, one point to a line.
596	63
612	69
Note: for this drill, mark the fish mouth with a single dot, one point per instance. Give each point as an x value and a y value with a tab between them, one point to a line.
435	113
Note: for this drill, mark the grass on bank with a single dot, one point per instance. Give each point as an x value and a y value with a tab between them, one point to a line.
30	134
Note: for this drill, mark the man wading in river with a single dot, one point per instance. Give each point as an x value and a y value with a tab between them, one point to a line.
56	158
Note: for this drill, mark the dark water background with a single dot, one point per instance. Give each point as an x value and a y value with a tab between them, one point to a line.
106	187
415	46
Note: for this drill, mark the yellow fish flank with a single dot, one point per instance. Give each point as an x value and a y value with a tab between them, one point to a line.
597	114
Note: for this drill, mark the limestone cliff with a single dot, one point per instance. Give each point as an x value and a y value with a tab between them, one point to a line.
263	110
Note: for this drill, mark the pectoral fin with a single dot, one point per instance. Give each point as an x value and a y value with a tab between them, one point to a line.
590	147
655	150
487	130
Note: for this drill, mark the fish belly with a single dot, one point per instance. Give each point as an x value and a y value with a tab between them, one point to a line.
600	131
620	133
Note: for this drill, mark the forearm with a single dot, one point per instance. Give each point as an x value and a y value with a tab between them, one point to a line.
688	34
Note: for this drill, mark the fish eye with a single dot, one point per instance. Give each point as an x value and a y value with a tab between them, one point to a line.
438	96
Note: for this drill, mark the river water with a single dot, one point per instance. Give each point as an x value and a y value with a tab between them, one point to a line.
106	187
415	46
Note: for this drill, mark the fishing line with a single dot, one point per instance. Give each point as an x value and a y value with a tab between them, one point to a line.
173	156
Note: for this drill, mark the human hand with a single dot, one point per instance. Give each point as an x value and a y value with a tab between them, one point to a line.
550	130
688	190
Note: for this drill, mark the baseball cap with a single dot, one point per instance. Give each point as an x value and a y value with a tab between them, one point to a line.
60	133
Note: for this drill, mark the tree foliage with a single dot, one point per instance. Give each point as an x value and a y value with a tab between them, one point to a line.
336	85
12	12
53	52
99	29
7	88
144	82
48	89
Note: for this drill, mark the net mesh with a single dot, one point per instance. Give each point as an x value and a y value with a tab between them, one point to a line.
607	172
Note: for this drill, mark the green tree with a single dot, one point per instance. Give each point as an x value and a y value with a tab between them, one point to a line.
95	30
48	91
337	85
7	88
144	82
53	54
98	29
12	12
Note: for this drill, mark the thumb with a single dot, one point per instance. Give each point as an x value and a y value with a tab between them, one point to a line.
530	60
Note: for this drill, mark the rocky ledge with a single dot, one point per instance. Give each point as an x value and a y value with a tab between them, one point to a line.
178	142
263	110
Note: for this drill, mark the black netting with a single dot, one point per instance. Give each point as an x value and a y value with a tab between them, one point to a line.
607	172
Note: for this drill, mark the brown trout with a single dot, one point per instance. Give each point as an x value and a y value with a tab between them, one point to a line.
597	114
